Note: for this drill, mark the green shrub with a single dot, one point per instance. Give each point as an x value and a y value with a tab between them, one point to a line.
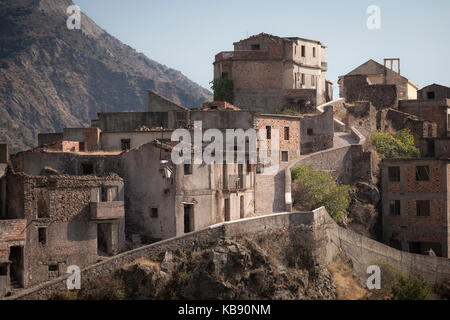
223	89
395	145
410	288
322	190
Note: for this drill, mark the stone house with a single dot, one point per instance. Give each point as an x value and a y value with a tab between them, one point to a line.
270	73
12	242
70	220
433	91
415	210
376	83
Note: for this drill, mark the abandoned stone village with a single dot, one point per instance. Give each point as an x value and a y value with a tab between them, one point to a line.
87	195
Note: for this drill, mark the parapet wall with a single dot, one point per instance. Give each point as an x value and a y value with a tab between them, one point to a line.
317	223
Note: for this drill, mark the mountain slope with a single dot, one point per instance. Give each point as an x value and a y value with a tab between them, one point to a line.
52	77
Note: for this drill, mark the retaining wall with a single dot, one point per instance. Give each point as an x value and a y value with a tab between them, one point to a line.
361	250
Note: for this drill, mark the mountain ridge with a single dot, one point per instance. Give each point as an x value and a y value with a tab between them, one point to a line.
52	77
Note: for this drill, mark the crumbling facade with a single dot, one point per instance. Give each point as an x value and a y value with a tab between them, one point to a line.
376	83
70	220
270	73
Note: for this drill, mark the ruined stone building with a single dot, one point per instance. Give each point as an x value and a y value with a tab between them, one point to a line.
433	91
71	220
436	139
415	208
270	73
377	83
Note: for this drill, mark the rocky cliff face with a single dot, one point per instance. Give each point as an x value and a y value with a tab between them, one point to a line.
229	269
52	77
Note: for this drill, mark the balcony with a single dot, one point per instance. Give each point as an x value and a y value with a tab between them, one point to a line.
234	183
107	210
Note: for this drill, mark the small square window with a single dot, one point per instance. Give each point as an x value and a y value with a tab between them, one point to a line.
394	207
422	173
423	208
394	174
42	235
187	168
87	168
309	132
430	95
125	144
154	212
284	156
53	267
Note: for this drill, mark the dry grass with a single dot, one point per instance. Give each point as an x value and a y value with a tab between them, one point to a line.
348	287
143	261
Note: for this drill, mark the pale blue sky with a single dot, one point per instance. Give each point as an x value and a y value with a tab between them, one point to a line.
186	34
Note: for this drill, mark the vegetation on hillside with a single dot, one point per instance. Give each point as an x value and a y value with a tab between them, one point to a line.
399	144
313	189
410	288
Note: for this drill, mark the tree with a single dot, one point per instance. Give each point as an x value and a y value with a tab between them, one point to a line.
399	144
322	190
223	89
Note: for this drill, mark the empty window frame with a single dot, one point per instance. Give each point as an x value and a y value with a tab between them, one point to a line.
284	156
422	173
423	208
42	235
286	133
53	268
268	132
303	51
394	207
154	212
309	131
314	52
394	174
125	144
256	47
430	95
87	168
187	169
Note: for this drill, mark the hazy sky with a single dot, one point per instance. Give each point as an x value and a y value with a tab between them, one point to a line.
186	34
